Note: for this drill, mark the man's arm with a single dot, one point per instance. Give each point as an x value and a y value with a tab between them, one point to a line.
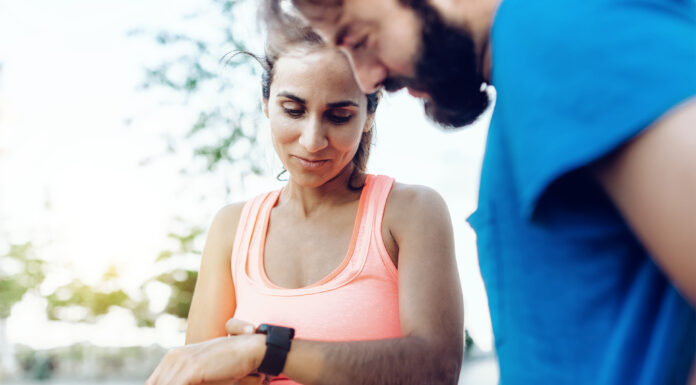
430	303
652	181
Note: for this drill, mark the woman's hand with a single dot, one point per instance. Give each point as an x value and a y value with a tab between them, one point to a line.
225	358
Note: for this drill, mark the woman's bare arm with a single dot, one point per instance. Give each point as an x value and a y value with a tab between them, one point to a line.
213	300
430	302
431	315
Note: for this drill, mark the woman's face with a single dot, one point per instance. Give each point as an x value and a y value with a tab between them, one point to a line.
317	114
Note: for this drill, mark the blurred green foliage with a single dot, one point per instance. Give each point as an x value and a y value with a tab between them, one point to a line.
180	281
192	74
20	271
208	70
94	301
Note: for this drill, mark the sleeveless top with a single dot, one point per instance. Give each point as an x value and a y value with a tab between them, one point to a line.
359	300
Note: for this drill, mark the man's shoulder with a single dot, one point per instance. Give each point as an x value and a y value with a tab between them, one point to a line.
564	26
592	61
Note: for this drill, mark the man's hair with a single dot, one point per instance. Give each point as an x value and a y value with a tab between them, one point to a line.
283	15
448	68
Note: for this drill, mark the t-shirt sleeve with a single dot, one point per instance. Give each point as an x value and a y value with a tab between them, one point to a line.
576	80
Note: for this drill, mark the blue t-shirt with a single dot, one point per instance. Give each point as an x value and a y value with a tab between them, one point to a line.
574	296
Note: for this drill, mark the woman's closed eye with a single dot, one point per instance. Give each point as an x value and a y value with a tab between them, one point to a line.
293	109
295	113
339	116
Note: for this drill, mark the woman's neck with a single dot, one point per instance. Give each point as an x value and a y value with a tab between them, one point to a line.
311	200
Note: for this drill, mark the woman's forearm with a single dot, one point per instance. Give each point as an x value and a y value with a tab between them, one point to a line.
399	361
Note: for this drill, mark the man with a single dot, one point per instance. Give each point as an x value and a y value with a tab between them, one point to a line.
587	212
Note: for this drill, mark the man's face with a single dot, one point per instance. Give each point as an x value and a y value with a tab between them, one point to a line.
396	46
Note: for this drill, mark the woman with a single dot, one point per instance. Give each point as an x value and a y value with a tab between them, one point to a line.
387	311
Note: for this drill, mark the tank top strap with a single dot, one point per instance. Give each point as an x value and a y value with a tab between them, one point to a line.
252	213
380	187
372	242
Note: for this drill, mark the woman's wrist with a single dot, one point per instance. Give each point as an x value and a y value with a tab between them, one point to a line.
250	347
258	348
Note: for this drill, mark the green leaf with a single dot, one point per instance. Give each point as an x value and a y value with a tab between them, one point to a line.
166	254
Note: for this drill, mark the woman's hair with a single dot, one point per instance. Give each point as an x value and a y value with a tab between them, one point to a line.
277	45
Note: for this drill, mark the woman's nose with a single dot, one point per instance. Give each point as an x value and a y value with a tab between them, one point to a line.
313	137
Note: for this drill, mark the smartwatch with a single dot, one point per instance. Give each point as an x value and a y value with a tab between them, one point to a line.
278	340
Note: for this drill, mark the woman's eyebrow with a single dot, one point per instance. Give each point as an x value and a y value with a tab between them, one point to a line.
293	97
345	103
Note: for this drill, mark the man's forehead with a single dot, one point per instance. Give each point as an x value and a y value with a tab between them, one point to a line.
320	11
328	18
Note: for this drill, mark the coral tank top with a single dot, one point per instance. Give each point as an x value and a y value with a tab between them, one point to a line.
359	300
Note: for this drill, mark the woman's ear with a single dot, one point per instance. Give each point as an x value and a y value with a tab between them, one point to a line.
371	117
369	123
265	107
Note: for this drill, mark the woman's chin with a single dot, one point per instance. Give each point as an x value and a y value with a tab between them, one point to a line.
309	179
314	177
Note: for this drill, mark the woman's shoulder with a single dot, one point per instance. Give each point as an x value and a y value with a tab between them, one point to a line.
403	196
228	216
408	202
225	223
415	218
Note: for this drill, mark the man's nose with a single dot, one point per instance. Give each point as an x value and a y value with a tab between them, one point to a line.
369	72
313	137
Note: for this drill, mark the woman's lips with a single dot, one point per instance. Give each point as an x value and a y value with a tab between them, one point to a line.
310	164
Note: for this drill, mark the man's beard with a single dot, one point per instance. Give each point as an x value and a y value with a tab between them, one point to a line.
447	70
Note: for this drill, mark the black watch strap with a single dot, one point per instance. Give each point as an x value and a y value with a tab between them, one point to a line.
278	339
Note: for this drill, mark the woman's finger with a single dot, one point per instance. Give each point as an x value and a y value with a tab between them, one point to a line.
235	327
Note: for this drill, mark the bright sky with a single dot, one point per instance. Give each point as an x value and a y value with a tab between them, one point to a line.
69	164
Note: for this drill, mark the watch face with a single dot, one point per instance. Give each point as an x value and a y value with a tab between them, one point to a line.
273	329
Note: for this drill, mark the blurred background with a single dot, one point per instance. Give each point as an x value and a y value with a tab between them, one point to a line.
124	126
